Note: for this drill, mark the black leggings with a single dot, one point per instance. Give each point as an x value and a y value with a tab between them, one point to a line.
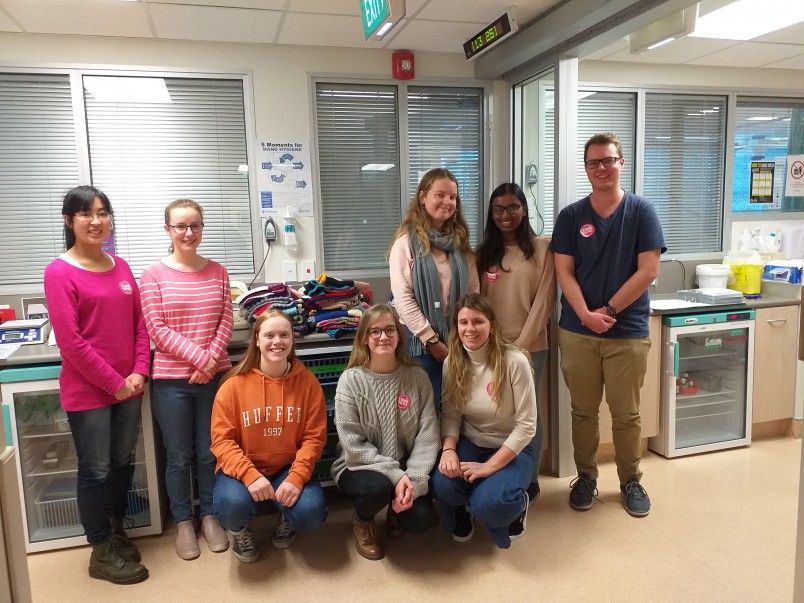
370	492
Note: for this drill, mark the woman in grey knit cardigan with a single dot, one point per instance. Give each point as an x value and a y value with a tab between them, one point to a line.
388	433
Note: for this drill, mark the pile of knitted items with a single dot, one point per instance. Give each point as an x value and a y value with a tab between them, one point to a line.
324	305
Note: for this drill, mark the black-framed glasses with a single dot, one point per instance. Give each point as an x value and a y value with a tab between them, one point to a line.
101	216
511	210
592	164
182	228
390	332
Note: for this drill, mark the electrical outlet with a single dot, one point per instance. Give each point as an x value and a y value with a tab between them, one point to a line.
289	271
307	270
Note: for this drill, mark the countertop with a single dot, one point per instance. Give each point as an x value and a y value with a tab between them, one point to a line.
42	353
766	301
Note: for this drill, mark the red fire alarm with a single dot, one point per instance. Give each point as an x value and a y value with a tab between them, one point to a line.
402	61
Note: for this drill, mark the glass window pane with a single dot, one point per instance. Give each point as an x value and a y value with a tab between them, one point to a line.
767	131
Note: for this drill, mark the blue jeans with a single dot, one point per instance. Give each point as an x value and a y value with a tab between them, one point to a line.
184	412
432	367
539	360
104	441
234	508
496	501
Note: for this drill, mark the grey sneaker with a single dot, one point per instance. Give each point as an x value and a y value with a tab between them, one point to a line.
517	528
583	493
284	534
243	546
635	499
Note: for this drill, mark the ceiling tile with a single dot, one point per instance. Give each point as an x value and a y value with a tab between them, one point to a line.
7	24
213	24
796	62
747	54
326	7
436	36
257	4
322	30
81	17
482	11
789	35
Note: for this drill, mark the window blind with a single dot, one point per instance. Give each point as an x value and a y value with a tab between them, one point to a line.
684	168
358	159
445	130
40	164
144	155
598	112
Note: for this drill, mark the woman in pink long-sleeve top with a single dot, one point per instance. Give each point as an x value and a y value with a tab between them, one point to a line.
94	307
187	302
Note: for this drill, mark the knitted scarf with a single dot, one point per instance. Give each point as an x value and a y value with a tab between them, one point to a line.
426	287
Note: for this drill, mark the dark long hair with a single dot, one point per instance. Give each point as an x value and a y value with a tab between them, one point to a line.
77	200
491	250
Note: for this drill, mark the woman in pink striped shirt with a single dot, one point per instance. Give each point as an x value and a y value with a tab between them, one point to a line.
187	304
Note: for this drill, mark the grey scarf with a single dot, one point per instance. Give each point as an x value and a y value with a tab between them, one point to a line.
426	287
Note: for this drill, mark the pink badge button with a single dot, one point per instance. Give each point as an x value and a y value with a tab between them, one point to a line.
125	287
587	230
403	402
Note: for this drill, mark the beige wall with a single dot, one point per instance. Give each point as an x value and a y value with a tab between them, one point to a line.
280	78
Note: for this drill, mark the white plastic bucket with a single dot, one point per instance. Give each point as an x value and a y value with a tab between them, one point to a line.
712	276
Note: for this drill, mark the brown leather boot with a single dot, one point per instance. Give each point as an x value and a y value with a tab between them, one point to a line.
393	527
366	539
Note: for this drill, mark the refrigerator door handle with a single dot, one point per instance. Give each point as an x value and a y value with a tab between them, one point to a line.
671	364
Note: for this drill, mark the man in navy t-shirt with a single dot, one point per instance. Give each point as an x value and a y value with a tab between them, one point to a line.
607	248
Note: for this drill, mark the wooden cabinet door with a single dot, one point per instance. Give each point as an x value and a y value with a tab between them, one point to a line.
775	356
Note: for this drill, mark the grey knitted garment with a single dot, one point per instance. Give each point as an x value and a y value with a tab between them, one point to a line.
387	423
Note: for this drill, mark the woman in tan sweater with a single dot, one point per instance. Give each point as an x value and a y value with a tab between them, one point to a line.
518	277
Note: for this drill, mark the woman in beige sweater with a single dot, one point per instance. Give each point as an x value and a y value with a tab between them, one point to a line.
518	276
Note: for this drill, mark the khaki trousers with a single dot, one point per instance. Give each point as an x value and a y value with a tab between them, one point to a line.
589	365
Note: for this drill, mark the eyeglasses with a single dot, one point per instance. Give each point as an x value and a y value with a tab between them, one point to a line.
511	210
101	216
182	228
390	332
592	164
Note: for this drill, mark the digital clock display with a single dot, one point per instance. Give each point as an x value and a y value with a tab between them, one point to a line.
489	36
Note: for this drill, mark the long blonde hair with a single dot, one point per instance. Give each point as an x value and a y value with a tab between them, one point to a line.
177	204
418	220
458	380
361	355
252	357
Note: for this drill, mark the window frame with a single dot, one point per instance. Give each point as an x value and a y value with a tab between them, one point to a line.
76	74
487	118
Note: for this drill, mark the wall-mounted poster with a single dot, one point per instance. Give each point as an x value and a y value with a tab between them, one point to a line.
284	177
762	181
795	176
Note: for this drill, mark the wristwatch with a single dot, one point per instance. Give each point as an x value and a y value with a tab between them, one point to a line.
432	341
610	310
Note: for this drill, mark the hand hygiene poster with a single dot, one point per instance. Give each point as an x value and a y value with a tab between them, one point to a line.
284	178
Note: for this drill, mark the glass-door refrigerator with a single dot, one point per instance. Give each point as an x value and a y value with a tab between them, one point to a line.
707	383
48	465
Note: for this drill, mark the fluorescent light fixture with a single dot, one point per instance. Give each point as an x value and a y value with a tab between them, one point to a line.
662	43
663	31
110	89
377	167
384	29
748	19
760	118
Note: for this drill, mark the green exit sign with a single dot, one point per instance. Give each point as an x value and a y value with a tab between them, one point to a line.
374	13
379	16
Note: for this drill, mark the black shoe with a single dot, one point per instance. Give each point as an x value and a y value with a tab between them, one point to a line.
583	493
517	529
464	525
533	492
635	499
105	563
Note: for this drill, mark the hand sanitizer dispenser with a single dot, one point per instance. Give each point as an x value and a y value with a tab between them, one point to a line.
289	238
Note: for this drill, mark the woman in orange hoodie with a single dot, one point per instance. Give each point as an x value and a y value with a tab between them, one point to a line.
269	426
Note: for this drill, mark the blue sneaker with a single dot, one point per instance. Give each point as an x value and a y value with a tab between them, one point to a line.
635	499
